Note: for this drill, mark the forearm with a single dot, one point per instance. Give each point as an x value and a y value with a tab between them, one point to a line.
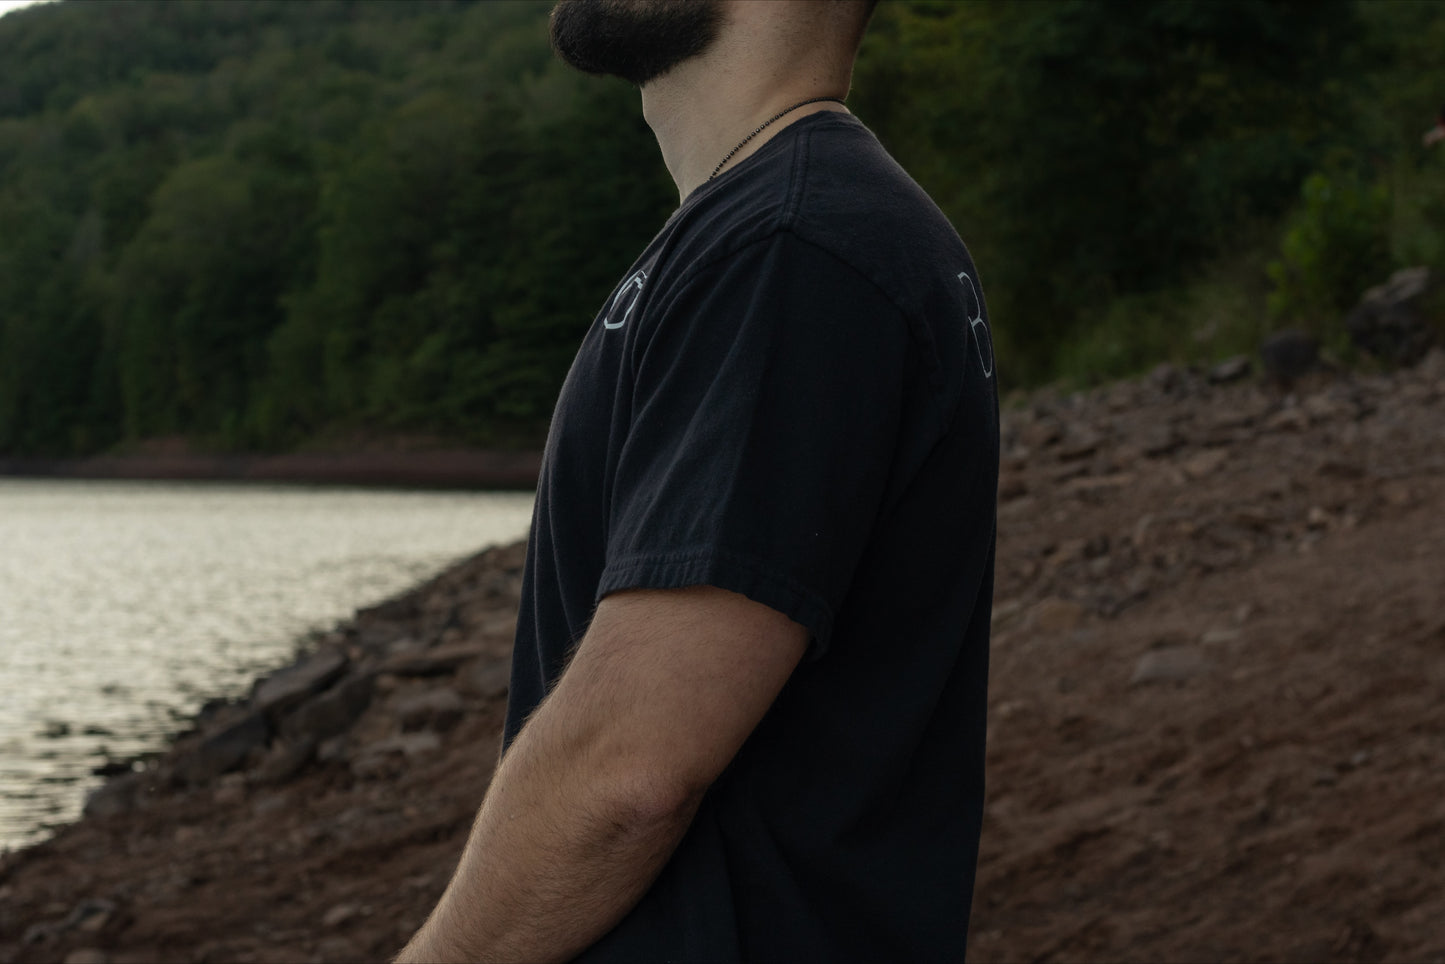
605	777
558	854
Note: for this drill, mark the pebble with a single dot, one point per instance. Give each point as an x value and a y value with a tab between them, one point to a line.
1171	664
437	709
1054	615
87	955
1204	463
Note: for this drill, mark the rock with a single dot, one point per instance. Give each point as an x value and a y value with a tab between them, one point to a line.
1243	412
117	795
1390	322
1204	463
486	678
1292	419
223	750
339	915
1433	366
40	933
1321	408
1054	615
377	759
286	759
1219	636
267	804
1231	370
438	709
432	662
1160	440
231	790
340	949
1167	378
376	637
111	768
283	690
1171	664
1289	355
332	750
87	917
408	745
1040	433
1079	442
87	955
332	712
212	711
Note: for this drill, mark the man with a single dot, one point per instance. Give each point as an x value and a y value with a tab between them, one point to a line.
748	690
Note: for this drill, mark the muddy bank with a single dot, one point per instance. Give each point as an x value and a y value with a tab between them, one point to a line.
458	469
1216	731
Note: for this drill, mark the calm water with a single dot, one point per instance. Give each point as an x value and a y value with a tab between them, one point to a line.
125	605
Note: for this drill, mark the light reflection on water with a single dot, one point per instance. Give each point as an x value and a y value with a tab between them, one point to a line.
125	605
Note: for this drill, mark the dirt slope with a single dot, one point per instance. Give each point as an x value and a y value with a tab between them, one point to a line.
1217	726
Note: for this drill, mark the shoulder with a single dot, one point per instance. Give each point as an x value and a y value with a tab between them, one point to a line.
823	205
853	200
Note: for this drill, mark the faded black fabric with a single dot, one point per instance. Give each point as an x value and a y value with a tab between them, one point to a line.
791	396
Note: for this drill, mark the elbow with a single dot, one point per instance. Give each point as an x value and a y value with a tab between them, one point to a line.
643	801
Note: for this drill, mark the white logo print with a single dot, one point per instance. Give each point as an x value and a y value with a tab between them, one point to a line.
625	300
982	340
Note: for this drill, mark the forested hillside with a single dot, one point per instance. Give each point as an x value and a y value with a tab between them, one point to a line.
266	224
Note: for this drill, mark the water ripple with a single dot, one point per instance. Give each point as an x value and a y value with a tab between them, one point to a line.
125	605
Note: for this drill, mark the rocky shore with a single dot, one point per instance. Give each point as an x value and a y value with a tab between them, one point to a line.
1216	725
462	468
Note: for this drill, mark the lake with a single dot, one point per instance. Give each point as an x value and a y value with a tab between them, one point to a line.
126	605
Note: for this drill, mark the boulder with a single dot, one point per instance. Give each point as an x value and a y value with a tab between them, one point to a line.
224	750
117	795
1390	321
284	689
332	712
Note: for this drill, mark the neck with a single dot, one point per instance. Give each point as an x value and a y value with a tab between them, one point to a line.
703	108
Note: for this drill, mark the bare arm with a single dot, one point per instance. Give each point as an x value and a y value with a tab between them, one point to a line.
605	777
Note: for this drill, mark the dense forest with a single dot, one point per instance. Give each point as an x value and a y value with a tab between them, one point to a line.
267	224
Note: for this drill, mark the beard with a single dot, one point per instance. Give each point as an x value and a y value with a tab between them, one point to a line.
637	40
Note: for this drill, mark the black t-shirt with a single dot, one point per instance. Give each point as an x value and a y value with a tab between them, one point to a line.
790	395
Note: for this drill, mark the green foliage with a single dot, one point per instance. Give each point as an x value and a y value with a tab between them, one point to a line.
1093	151
1335	245
263	224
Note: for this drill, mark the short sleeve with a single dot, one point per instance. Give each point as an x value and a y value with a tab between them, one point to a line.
766	401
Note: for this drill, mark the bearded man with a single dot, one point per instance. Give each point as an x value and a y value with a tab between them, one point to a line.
746	719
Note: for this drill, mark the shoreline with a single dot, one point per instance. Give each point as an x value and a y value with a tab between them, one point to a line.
1190	750
440	469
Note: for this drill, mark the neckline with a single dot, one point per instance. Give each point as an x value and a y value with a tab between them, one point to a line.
770	146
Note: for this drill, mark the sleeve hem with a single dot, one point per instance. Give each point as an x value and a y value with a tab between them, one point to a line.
732	571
